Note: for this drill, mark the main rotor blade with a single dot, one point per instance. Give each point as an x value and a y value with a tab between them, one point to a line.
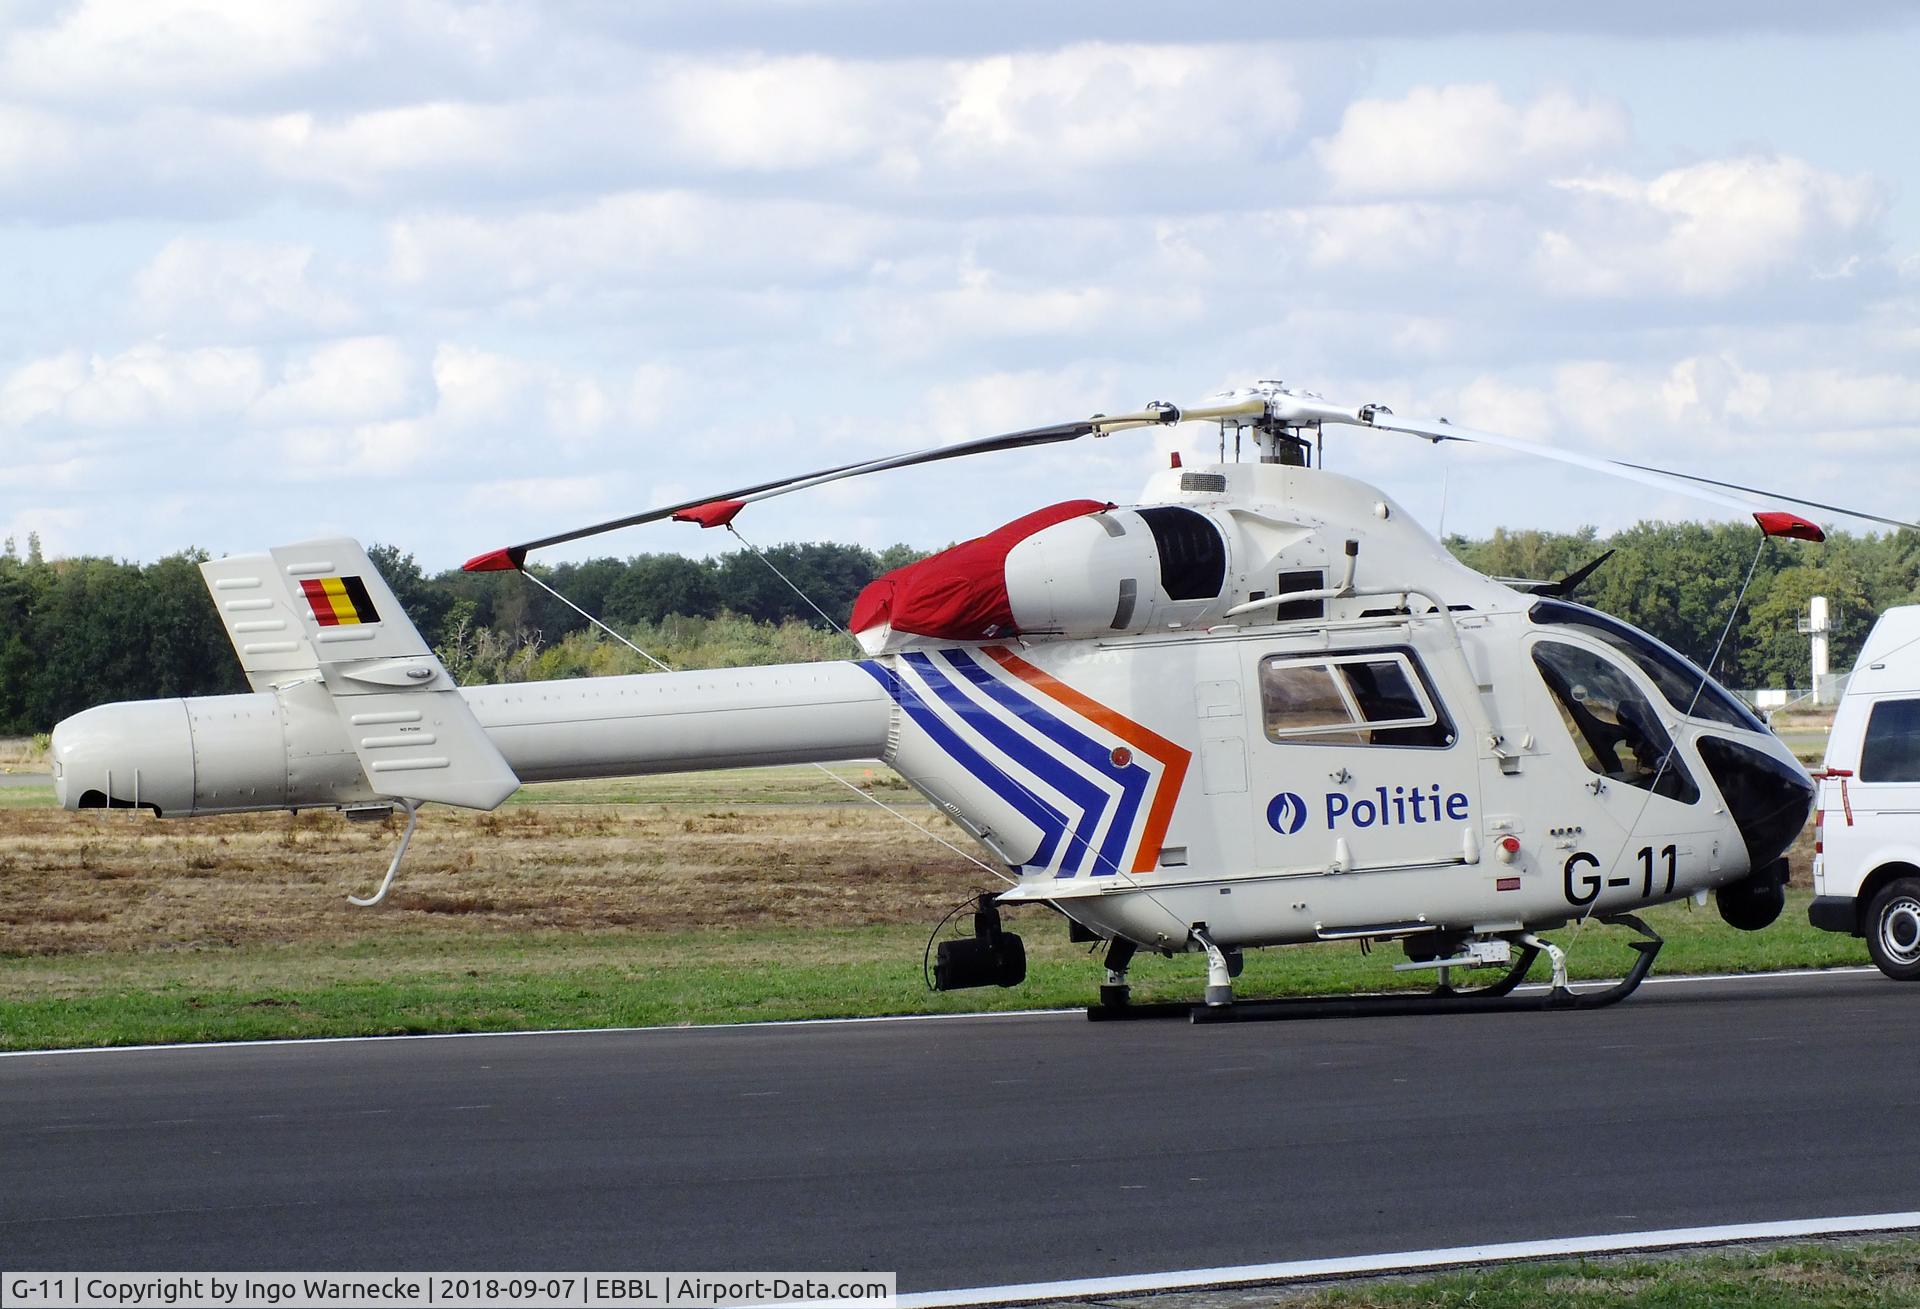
1776	495
1647	475
515	556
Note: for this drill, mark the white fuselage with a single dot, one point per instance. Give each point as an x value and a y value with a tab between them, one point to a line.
1171	770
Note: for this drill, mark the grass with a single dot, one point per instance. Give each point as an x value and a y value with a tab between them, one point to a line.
1879	1275
413	982
683	899
24	752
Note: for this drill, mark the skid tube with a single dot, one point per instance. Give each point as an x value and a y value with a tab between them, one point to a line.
1496	998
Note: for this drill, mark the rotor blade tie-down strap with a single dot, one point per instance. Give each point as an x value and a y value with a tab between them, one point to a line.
759	554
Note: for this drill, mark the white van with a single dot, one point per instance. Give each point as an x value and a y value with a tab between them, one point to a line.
1866	830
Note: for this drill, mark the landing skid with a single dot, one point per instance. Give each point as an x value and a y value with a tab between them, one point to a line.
1495	998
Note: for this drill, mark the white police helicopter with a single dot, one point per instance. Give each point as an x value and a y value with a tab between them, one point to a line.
1262	707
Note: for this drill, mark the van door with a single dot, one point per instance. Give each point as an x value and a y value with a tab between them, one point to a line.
1884	793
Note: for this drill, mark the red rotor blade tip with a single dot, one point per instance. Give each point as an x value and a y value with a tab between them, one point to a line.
502	560
1778	522
715	513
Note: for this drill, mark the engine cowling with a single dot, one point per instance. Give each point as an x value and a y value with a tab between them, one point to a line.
1078	569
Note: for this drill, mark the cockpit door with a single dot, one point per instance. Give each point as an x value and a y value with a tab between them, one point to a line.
1625	812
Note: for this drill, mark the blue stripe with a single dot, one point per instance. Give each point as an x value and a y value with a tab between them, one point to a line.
1022	750
1132	778
1049	820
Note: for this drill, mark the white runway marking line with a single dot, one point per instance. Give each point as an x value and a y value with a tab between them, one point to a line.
1410	1261
297	1041
294	1042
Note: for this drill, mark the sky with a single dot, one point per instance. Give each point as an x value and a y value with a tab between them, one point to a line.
451	276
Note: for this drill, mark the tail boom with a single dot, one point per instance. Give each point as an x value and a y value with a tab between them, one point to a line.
289	749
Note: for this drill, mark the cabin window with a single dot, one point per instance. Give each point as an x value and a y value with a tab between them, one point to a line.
1612	724
1891	752
1680	681
1304	579
1376	698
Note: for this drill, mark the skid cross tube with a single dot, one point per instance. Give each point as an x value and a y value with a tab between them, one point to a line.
1495	998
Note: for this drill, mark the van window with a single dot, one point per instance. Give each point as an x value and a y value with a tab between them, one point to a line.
1378	698
1891	752
1612	724
1685	687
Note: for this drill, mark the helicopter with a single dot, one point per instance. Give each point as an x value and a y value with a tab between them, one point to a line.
1261	707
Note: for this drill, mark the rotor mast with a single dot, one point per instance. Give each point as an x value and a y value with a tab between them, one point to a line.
1285	423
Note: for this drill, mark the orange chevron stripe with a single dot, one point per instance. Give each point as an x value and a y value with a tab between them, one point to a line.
1173	760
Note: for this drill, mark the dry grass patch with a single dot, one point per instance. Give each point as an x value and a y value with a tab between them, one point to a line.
120	882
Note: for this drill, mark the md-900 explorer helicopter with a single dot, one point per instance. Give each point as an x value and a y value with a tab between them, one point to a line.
1262	707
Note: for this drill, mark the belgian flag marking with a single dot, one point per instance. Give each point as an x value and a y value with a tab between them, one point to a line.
339	601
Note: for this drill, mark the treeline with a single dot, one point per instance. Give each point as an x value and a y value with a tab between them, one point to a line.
78	632
1680	581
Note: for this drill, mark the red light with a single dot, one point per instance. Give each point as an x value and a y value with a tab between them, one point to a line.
1176	459
1511	844
1819	831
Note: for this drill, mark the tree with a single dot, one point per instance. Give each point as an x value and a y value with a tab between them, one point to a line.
828	575
426	602
1776	653
187	650
656	586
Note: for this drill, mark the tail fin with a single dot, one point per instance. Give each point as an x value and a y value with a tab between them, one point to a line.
319	611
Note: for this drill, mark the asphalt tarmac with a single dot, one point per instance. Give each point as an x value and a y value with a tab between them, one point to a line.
969	1151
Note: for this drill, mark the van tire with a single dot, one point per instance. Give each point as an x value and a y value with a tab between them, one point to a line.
1893	929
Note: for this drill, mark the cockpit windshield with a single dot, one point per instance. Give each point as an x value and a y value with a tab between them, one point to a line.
1612	724
1685	687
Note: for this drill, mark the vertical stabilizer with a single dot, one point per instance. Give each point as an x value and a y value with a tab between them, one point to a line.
319	611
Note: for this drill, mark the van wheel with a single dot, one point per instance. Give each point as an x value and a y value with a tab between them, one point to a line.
1893	930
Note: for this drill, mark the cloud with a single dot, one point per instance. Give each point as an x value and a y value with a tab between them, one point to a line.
1099	106
1689	411
1710	229
255	289
510	506
592	243
371	377
483	393
143	107
376	449
982	26
1009	401
114	54
1453	139
161	48
784	115
643	237
148	385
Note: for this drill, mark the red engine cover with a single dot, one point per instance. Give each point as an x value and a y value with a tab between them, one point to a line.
959	594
